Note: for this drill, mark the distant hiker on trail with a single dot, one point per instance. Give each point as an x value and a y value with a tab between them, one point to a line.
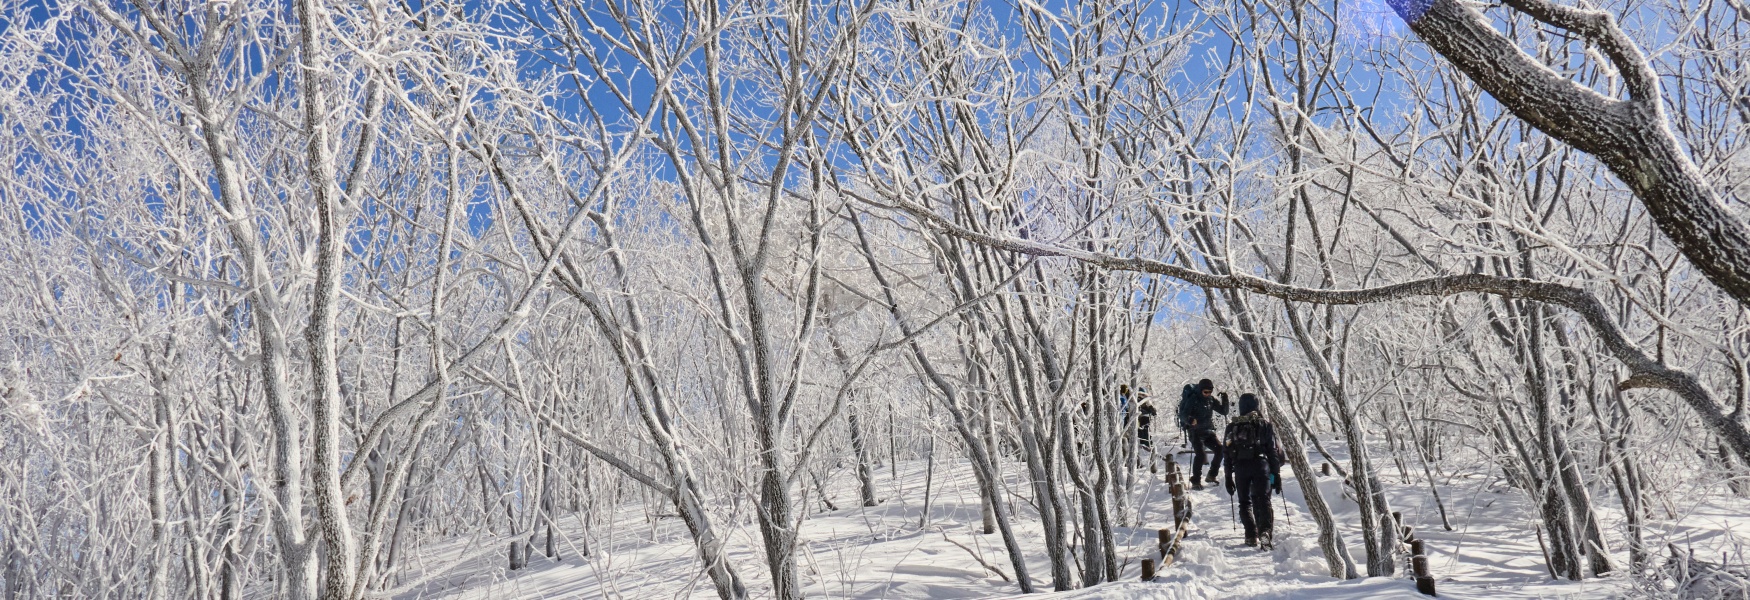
1145	411
1145	415
1254	470
1197	408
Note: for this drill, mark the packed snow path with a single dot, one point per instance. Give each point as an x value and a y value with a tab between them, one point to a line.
1216	551
1215	562
883	552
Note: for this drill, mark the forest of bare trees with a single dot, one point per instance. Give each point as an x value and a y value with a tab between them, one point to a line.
295	292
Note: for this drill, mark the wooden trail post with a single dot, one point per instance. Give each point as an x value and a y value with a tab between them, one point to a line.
1167	544
1169	537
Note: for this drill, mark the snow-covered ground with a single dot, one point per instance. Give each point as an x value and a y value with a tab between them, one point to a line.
885	552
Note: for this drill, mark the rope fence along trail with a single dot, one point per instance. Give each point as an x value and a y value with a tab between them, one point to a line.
1170	538
1418	555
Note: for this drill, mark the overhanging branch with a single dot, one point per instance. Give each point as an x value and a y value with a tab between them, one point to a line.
1644	371
1630	136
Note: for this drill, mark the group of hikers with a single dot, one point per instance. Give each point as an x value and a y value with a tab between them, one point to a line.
1248	446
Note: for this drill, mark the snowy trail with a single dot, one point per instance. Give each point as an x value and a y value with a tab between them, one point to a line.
881	552
1485	559
1216	562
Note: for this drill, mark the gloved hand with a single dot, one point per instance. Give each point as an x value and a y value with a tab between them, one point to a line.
1230	486
1276	484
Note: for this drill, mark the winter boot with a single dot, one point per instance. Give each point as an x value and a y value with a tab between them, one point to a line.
1195	484
1251	539
1212	475
1266	540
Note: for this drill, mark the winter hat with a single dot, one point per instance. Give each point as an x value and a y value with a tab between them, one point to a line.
1206	385
1248	404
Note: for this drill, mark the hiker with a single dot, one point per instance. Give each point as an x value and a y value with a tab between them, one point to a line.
1197	408
1145	415
1254	466
1145	411
1123	402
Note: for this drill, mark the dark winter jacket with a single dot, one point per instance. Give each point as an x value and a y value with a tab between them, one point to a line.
1263	452
1192	405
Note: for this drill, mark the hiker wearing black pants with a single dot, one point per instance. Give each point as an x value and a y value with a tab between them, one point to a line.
1197	408
1145	416
1254	470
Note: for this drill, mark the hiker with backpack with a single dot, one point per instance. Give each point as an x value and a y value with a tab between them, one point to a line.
1254	470
1145	416
1197	408
1145	412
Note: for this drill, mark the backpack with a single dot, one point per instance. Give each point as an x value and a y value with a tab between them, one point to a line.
1187	405
1246	438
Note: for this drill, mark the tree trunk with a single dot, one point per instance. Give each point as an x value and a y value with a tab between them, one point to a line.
1361	476
865	476
1093	544
775	514
159	461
